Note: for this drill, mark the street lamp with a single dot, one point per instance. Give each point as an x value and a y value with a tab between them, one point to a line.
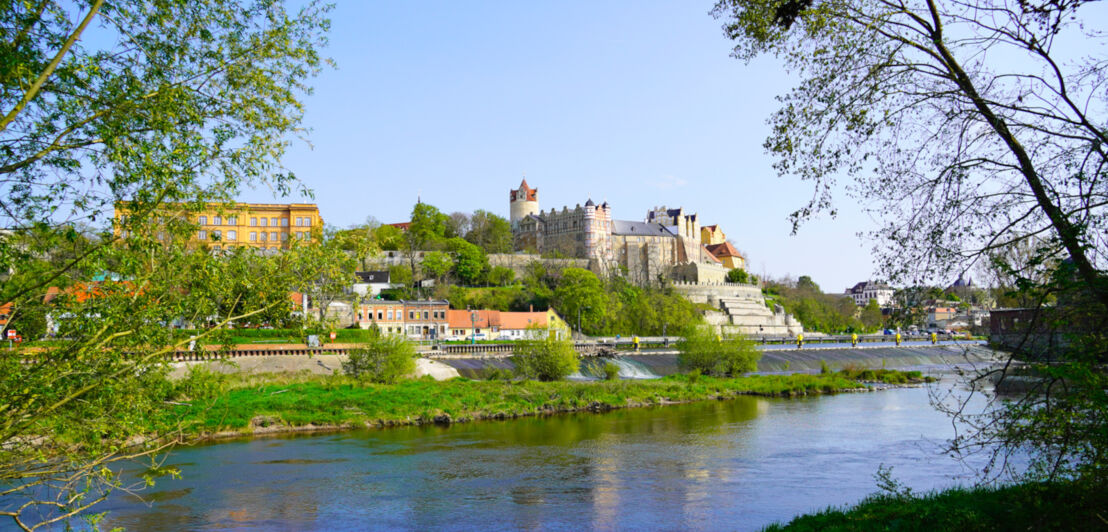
473	321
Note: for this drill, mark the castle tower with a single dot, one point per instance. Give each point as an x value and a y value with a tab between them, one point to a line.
522	201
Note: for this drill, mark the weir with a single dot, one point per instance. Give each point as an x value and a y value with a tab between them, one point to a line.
661	363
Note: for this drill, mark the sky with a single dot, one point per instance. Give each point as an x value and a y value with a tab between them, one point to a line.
638	104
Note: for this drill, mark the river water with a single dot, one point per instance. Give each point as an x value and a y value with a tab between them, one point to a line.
718	465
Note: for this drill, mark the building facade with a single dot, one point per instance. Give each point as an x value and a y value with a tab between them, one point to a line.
262	226
418	320
864	291
645	251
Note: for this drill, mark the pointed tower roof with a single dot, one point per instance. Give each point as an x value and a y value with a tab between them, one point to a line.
524	186
590	203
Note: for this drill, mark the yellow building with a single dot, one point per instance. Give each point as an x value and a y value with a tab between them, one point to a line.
712	234
269	226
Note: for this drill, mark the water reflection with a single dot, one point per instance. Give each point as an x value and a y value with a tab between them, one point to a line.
715	465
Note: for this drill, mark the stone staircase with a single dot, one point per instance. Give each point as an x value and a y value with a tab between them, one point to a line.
742	309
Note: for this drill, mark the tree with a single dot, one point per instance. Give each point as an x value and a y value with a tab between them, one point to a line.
383	359
580	294
701	349
501	276
737	275
389	237
470	262
167	106
871	315
546	359
493	233
426	229
963	120
457	225
327	270
975	132
436	264
359	241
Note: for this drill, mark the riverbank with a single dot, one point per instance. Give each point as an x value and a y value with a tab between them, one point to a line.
212	406
1029	506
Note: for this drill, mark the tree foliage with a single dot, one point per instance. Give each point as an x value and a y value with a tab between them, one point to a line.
545	359
166	106
384	359
702	349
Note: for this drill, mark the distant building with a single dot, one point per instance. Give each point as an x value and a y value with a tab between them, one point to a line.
497	325
665	245
263	226
371	283
727	255
419	320
867	290
712	234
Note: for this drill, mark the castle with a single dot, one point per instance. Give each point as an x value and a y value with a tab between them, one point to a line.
666	245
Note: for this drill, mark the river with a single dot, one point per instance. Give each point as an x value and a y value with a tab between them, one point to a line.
718	465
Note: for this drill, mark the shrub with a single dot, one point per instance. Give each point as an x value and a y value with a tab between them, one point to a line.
497	374
716	355
611	372
824	369
384	359
548	359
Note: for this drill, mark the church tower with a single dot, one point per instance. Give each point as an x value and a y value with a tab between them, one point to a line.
523	201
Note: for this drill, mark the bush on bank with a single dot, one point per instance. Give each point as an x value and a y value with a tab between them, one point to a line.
383	359
701	348
546	359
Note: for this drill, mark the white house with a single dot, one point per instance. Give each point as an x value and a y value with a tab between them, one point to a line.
371	283
867	290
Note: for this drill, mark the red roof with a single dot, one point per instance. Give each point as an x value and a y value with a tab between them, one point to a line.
402	225
463	319
723	250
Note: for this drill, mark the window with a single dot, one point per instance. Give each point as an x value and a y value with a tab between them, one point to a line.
273	236
284	222
379	313
265	222
411	314
202	235
253	222
390	313
253	236
284	237
299	221
216	220
273	222
425	314
265	236
308	222
231	235
307	236
217	234
232	220
203	220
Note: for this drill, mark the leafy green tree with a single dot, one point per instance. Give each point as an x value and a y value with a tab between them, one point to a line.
436	264
737	275
545	359
359	241
702	349
871	315
501	276
470	262
389	237
167	106
580	293
426	230
493	233
384	359
923	100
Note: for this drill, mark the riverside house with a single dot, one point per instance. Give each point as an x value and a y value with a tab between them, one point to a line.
418	320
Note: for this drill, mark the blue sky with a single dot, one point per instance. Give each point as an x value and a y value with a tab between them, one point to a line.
636	103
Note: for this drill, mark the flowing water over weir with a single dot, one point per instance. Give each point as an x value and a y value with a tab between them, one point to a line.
657	364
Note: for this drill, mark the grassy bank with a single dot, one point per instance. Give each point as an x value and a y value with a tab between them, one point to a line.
1031	506
211	404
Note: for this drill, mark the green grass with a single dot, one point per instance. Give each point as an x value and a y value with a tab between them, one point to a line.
230	402
1029	506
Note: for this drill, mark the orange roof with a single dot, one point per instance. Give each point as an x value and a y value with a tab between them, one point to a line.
81	291
463	319
401	225
522	320
723	250
713	257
